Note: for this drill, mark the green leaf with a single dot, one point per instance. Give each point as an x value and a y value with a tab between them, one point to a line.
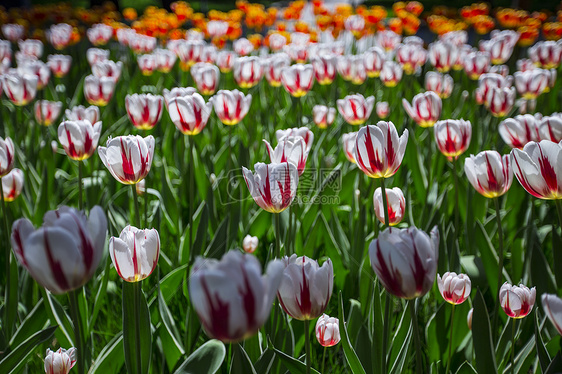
133	298
265	362
483	346
64	334
34	321
544	358
111	358
555	366
19	354
12	302
173	348
350	355
241	363
295	366
466	368
206	359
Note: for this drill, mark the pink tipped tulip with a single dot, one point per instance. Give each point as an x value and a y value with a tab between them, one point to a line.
396	204
452	136
328	331
517	301
128	158
144	110
79	138
425	109
135	253
60	361
272	186
455	288
490	173
356	109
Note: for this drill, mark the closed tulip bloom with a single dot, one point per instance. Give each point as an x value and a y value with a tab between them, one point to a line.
289	149
405	260
441	84
165	60
374	59
352	68
303	132
95	55
323	116
31	47
242	46
324	68
99	34
297	52
378	149
520	130
59	35
383	109
107	68
135	253
147	64
550	128
190	113
396	205
7	153
12	183
225	60
46	112
306	287
99	91
37	68
298	79
177	92
491	80
530	84
452	136
79	138
502	70
128	158
60	361
277	42
348	142
328	331
355	24
391	73
79	113
189	52
59	64
411	57
144	110
552	306
250	243
273	186
539	169
517	301
19	88
217	28
459	37
64	253
247	71
273	66
231	296
476	63
356	109
500	101
142	43
489	173
546	54
500	47
387	39
231	106
206	77
425	109
13	31
455	288
443	55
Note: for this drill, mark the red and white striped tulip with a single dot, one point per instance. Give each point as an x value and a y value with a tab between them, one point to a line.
190	113
443	55
144	110
490	173
396	204
502	70
37	68
383	109
425	109
209	54
79	113
99	91
79	138
289	149
243	46
165	60
520	130
550	128
59	64
500	101
546	54
95	55
99	34
328	331
177	92
356	109
12	184
277	42
517	301
225	61
411	57
60	361
273	186
500	46
303	132
247	71
135	253
323	116
552	306
147	64
306	287
273	66
128	158
7	154
387	39
298	79
355	24
231	296
297	52
189	52
378	149
206	76
488	81
19	88
452	136
455	288
142	43
352	68
13	31
31	47
441	84
391	73
231	106
531	83
524	64
405	260
64	253
59	35
457	37
107	68
324	68
348	142
374	59
46	112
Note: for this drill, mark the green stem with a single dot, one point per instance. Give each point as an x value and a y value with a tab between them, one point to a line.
145	204
512	346
137	209
136	300
290	231
277	236
416	333
456	208
191	199
80	197
307	344
323	360
7	255
500	267
559	209
77	322
385	204
450	339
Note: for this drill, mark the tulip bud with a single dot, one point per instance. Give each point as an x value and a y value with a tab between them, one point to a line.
469	318
273	186
489	173
20	88
552	306
356	109
425	109
247	71
273	66
250	243
391	73
397	252
323	116
60	361
80	113
303	132
374	59
231	106
348	142
289	149
452	136
99	91
233	305
328	331
455	288
324	68
135	253
46	112
383	109
128	158
441	84
59	64
144	110
396	204
12	183
79	138
517	301
520	130
7	153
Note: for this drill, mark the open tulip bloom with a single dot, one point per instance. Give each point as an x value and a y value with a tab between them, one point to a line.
455	288
328	331
128	158
273	186
517	301
396	205
79	138
79	113
303	132
552	306
135	253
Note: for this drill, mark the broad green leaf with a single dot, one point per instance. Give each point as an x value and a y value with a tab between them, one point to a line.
111	358
483	347
241	363
295	366
544	358
206	359
350	355
20	353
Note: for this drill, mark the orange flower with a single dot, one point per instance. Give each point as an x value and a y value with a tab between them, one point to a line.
411	24
552	30
398	6
256	40
483	24
511	18
130	14
395	24
528	35
414	7
301	26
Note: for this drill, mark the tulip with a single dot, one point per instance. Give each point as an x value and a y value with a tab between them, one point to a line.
352	68
306	287
144	110
31	47
217	28
135	253
273	186
7	153
190	113
378	149
108	69
231	296
194	34
297	53
37	68
388	40
550	128
60	361
247	71
128	158
383	109
20	88
99	34
355	24
59	64
488	81
524	64
552	306
273	66
502	70
455	288
551	76
225	60
348	141
298	79
405	260
323	116
79	113
206	77
12	183
95	55
538	169
517	301
289	149
5	50
79	138
59	35
277	42
546	54
328	331
231	106
443	55
425	109
165	60
125	34
489	173
99	91
355	109
147	64
189	52
530	84
303	132
177	92
142	43
411	57
441	84
47	111
250	243
65	252
391	73
324	68
13	31
374	59
452	136
500	101
242	46
396	205
520	130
